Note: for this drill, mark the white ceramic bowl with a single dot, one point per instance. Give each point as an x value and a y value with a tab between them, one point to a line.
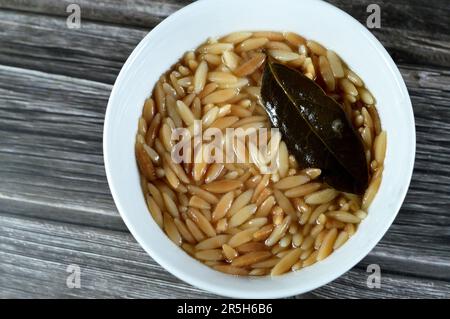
185	30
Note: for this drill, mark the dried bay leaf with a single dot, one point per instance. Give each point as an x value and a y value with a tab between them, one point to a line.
314	127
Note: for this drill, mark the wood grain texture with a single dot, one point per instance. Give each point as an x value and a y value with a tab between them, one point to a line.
401	15
55	205
145	13
112	263
97	51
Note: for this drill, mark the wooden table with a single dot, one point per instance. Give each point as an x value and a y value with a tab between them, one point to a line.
55	205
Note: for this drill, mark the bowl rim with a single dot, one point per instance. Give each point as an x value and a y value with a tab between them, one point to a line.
227	291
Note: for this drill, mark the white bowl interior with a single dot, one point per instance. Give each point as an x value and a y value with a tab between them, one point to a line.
188	28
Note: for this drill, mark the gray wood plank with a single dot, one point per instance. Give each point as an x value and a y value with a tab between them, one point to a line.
353	284
401	14
60	134
144	13
114	266
97	51
35	255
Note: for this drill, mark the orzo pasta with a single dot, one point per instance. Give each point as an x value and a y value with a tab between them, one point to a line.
243	218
